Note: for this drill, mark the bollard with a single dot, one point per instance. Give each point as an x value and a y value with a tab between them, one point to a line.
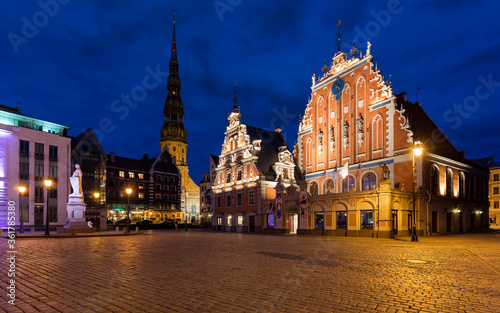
117	228
73	232
15	232
1	231
124	230
137	229
32	230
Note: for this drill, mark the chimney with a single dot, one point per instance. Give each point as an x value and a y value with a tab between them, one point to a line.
112	157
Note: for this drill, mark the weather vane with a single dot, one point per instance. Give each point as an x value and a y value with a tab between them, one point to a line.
354	50
324	69
339	36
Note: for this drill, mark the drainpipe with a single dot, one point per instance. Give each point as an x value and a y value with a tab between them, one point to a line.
428	228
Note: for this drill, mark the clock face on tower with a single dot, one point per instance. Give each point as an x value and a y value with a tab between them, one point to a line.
337	88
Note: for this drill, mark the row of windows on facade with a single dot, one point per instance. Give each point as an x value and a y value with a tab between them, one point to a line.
141	176
52	211
24	150
369	183
39	193
448	190
140	195
239	199
496	177
140	186
239	175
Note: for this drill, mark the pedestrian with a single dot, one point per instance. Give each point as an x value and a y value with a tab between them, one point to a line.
176	228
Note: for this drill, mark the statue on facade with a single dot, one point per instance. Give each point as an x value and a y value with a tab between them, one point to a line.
332	138
385	172
359	121
76	181
320	138
346	129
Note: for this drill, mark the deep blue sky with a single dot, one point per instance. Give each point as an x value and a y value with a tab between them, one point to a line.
87	54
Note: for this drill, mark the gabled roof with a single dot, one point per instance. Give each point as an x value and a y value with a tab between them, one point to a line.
86	136
124	163
215	159
425	130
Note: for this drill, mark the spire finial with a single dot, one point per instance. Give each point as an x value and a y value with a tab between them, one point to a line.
324	69
235	99
173	52
416	98
354	50
339	36
174	16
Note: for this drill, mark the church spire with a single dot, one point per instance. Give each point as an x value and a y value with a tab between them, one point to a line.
173	129
173	53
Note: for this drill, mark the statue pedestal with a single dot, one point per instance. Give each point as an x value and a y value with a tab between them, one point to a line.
76	216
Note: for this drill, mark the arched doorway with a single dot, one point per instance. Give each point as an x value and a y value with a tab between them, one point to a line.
293	219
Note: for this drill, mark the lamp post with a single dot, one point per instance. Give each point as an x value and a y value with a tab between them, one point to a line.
417	151
97	209
21	189
129	191
48	183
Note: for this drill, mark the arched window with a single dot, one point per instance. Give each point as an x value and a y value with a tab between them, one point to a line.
369	182
434	180
314	188
348	184
461	185
472	188
309	152
330	186
449	183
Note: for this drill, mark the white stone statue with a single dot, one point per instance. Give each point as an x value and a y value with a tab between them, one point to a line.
76	181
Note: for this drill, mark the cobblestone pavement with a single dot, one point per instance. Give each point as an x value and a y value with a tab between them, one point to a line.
195	271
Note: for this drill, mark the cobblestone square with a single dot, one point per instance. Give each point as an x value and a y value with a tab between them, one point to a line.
197	271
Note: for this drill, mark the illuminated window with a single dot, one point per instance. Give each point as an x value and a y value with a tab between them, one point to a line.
314	189
240	220
341	219
270	220
319	220
251	197
140	195
495	177
121	194
158	196
140	176
366	219
228	221
140	186
121	173
449	183
330	185
369	182
348	184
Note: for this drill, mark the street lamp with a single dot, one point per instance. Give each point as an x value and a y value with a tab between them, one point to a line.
129	191
98	204
48	183
417	151
21	189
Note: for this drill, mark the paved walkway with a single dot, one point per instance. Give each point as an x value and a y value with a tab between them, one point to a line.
195	271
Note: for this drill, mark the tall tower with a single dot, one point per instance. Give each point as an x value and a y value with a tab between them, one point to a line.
174	136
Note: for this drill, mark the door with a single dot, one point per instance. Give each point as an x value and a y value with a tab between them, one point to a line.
38	216
434	221
251	223
472	220
448	222
395	222
219	223
293	223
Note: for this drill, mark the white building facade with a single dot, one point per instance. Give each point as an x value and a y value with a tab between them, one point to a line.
30	151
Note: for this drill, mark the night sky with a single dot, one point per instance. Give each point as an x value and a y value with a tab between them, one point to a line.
75	64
